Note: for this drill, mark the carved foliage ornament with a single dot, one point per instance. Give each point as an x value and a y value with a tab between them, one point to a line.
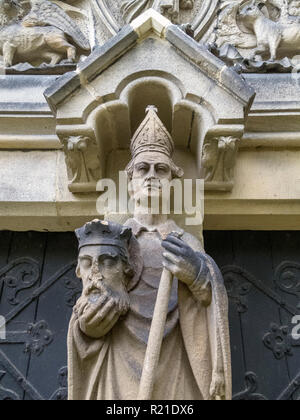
218	162
82	159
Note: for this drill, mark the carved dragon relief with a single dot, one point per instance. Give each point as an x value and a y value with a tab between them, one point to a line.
35	33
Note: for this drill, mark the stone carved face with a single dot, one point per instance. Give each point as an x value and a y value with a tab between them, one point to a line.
104	270
148	172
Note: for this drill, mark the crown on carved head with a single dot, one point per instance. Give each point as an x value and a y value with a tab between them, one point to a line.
152	136
100	232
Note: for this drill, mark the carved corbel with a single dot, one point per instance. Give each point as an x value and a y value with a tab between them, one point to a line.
218	163
83	163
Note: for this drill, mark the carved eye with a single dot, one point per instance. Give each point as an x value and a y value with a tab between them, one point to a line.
142	168
108	262
163	169
86	263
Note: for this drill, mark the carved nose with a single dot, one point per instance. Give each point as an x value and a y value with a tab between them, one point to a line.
96	270
152	174
151	177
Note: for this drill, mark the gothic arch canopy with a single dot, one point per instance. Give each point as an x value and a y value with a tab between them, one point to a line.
149	61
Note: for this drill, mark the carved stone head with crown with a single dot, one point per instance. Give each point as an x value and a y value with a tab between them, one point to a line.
152	149
103	262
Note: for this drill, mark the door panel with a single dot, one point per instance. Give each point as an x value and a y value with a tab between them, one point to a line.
33	358
38	288
254	272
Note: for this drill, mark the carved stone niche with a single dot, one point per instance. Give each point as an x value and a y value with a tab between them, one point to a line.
151	61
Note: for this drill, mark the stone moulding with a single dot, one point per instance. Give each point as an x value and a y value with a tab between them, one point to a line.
200	95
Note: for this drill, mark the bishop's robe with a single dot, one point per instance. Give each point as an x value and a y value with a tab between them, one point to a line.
196	336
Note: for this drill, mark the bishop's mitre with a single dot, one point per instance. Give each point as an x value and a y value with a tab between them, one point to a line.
152	136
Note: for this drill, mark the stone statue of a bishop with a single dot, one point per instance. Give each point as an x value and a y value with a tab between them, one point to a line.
121	268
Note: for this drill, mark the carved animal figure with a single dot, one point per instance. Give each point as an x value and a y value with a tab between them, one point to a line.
19	44
270	35
46	33
45	13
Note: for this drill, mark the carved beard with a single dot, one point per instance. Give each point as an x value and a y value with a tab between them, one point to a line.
97	287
